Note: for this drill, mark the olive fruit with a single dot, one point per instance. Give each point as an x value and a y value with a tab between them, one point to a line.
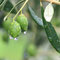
7	23
14	29
31	50
22	20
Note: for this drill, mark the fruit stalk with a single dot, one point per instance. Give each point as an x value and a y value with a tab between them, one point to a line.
2	4
20	9
12	9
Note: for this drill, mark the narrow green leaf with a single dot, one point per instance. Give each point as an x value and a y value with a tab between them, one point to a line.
35	17
51	33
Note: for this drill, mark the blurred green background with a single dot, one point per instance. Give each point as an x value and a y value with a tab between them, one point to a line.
11	50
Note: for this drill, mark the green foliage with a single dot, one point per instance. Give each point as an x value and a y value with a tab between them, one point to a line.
51	33
15	48
49	29
35	17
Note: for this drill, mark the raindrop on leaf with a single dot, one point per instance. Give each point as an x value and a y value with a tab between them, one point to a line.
25	32
10	37
15	39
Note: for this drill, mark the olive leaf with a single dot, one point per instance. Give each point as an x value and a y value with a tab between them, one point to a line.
48	13
50	32
35	17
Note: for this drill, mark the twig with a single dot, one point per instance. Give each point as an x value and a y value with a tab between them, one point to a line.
53	2
3	4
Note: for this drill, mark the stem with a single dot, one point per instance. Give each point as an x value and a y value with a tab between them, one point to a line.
20	9
41	3
12	9
3	4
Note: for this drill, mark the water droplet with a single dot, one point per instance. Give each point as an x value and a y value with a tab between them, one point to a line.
15	39
25	32
10	37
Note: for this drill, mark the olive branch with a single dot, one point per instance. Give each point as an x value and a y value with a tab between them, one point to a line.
53	1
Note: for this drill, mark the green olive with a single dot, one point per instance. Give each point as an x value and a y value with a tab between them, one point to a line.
31	50
7	23
14	29
22	20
